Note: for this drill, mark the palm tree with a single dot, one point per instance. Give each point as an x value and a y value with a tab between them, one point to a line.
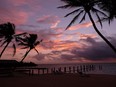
109	7
29	42
86	7
7	34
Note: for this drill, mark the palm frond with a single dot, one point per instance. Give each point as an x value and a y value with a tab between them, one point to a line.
4	49
21	34
37	43
0	40
83	18
23	44
3	43
73	12
99	19
74	19
98	11
107	19
36	50
65	6
14	47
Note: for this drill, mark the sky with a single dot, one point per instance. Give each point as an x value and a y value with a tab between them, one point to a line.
79	44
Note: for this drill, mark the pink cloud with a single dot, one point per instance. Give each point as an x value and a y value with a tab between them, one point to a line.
18	11
49	19
78	26
18	2
14	16
30	3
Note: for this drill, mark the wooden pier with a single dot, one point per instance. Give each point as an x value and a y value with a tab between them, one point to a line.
70	69
30	71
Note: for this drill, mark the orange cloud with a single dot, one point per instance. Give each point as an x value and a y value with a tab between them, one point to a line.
85	36
66	45
78	26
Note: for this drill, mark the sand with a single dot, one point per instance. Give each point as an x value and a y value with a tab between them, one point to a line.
63	80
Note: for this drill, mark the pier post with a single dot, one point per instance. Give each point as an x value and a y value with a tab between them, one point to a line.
43	71
80	68
77	69
32	72
83	68
64	69
69	69
87	68
47	70
38	71
59	69
73	69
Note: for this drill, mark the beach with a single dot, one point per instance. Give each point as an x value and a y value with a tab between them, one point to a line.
60	80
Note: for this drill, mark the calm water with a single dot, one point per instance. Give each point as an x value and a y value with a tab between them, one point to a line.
94	68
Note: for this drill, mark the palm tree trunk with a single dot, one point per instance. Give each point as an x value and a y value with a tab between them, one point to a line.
25	55
99	33
4	49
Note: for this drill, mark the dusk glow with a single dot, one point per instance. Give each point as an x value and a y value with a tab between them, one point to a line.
78	44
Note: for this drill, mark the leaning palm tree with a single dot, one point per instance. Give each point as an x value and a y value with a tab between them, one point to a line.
83	8
7	34
29	42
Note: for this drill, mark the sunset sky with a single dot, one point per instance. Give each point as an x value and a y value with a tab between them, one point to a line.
80	43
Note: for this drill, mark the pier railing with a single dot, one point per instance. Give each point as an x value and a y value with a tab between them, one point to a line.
60	70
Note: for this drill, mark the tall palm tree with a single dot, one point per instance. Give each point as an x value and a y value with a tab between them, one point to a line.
7	34
86	7
29	42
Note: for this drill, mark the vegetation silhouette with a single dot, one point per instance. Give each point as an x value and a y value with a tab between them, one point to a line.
87	7
29	42
109	7
7	34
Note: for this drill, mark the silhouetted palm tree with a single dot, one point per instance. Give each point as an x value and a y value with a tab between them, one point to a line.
7	34
29	42
108	6
86	7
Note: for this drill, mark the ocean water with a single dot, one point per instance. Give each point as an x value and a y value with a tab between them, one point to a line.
89	68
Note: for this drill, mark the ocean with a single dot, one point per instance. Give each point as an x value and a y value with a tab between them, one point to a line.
88	68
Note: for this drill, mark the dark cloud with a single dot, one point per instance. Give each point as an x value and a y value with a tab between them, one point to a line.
89	40
96	51
69	57
56	52
40	56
